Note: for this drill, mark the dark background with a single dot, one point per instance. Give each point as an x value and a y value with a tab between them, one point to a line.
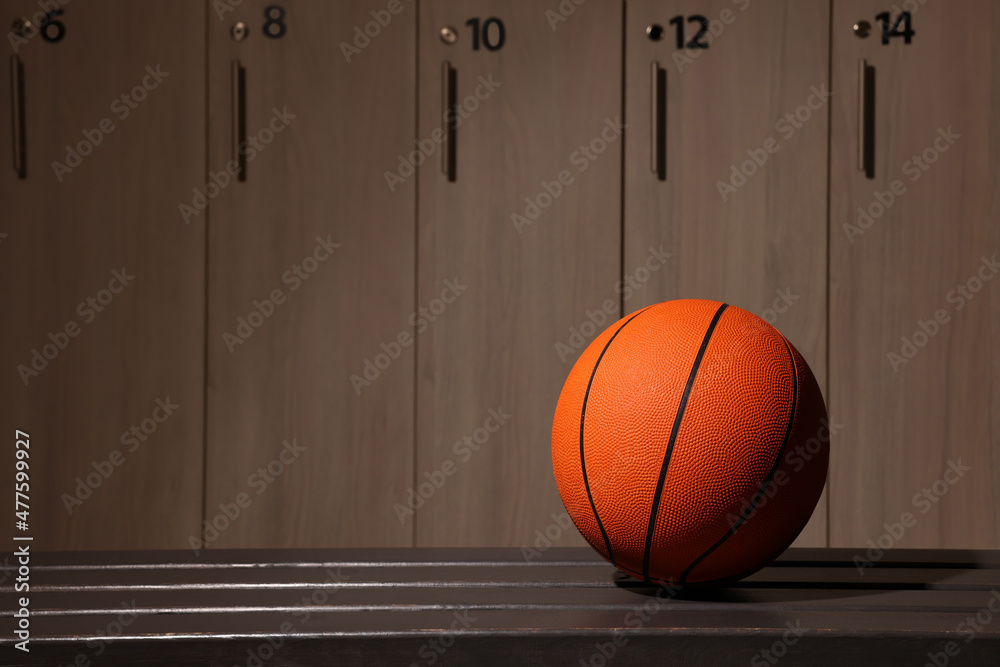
259	289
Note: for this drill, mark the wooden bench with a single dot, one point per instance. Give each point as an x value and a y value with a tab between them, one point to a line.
565	606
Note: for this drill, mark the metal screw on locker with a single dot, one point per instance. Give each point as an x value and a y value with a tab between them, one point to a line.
21	27
448	35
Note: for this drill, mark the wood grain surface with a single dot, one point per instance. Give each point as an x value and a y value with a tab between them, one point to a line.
525	282
742	208
406	328
492	606
102	287
905	244
317	184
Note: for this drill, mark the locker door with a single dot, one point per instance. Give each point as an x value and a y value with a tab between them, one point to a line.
102	284
725	164
915	308
311	266
519	237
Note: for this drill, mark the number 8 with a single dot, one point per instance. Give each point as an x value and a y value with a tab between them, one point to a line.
274	27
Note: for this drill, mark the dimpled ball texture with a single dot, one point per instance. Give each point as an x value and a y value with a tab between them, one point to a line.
690	443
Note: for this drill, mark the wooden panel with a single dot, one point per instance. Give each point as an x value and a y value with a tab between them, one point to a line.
93	245
742	207
398	606
545	96
911	409
341	118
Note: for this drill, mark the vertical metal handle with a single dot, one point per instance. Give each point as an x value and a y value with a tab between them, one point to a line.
239	120
445	72
17	134
866	118
448	78
658	121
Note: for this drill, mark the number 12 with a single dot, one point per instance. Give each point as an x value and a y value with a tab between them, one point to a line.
696	41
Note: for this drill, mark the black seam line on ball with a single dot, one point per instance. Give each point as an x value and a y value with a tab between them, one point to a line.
767	482
755	568
583	414
673	438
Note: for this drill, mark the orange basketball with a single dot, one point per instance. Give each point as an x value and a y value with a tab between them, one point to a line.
690	443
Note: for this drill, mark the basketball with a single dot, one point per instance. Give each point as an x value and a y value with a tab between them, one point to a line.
690	443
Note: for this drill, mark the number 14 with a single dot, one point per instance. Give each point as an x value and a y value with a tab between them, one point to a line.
888	32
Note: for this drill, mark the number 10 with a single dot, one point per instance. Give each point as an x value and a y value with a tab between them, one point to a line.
487	42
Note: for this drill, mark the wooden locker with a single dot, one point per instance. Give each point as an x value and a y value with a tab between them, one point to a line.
519	227
311	270
914	361
102	284
725	164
